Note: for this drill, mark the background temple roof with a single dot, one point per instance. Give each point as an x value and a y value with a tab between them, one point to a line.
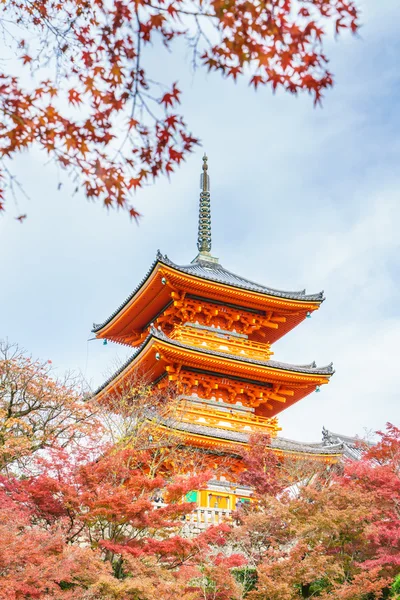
352	446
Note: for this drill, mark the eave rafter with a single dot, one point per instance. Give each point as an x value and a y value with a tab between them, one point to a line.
260	370
229	390
226	292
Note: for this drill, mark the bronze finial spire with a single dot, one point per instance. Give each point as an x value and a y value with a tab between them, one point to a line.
204	236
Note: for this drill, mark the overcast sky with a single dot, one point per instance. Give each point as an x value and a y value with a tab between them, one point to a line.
301	197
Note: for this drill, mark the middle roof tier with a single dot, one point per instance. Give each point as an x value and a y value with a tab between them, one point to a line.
223	375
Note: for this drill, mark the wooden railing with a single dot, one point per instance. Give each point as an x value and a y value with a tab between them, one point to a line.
205	517
222	342
201	517
233	420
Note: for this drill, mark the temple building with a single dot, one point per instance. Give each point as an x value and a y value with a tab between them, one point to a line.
210	333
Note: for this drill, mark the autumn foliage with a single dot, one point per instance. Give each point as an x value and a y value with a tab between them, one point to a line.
80	520
86	96
334	534
36	410
110	520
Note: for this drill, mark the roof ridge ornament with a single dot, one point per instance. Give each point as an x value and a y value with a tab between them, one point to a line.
204	232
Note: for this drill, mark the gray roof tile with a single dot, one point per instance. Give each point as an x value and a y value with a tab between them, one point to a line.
216	272
353	447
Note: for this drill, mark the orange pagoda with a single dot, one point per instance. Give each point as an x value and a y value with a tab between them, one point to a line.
211	333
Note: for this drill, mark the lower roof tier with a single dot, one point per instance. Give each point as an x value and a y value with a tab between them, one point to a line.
215	438
332	448
267	385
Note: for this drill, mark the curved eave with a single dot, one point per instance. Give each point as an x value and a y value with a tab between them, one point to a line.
212	437
304	378
154	293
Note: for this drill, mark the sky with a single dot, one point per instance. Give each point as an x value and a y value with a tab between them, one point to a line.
301	198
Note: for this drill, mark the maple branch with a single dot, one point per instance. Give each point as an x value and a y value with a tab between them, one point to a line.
136	80
98	50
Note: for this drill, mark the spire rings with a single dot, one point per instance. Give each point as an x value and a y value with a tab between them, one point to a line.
204	231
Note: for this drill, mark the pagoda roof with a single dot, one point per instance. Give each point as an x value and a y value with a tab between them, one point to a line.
153	294
155	335
332	444
353	447
216	272
279	444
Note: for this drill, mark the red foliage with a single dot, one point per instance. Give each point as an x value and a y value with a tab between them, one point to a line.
103	118
261	466
35	561
336	537
78	527
62	525
377	476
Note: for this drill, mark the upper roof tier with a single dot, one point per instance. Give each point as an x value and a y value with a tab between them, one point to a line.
203	280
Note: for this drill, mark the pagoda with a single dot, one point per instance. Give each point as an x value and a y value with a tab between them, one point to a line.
210	333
